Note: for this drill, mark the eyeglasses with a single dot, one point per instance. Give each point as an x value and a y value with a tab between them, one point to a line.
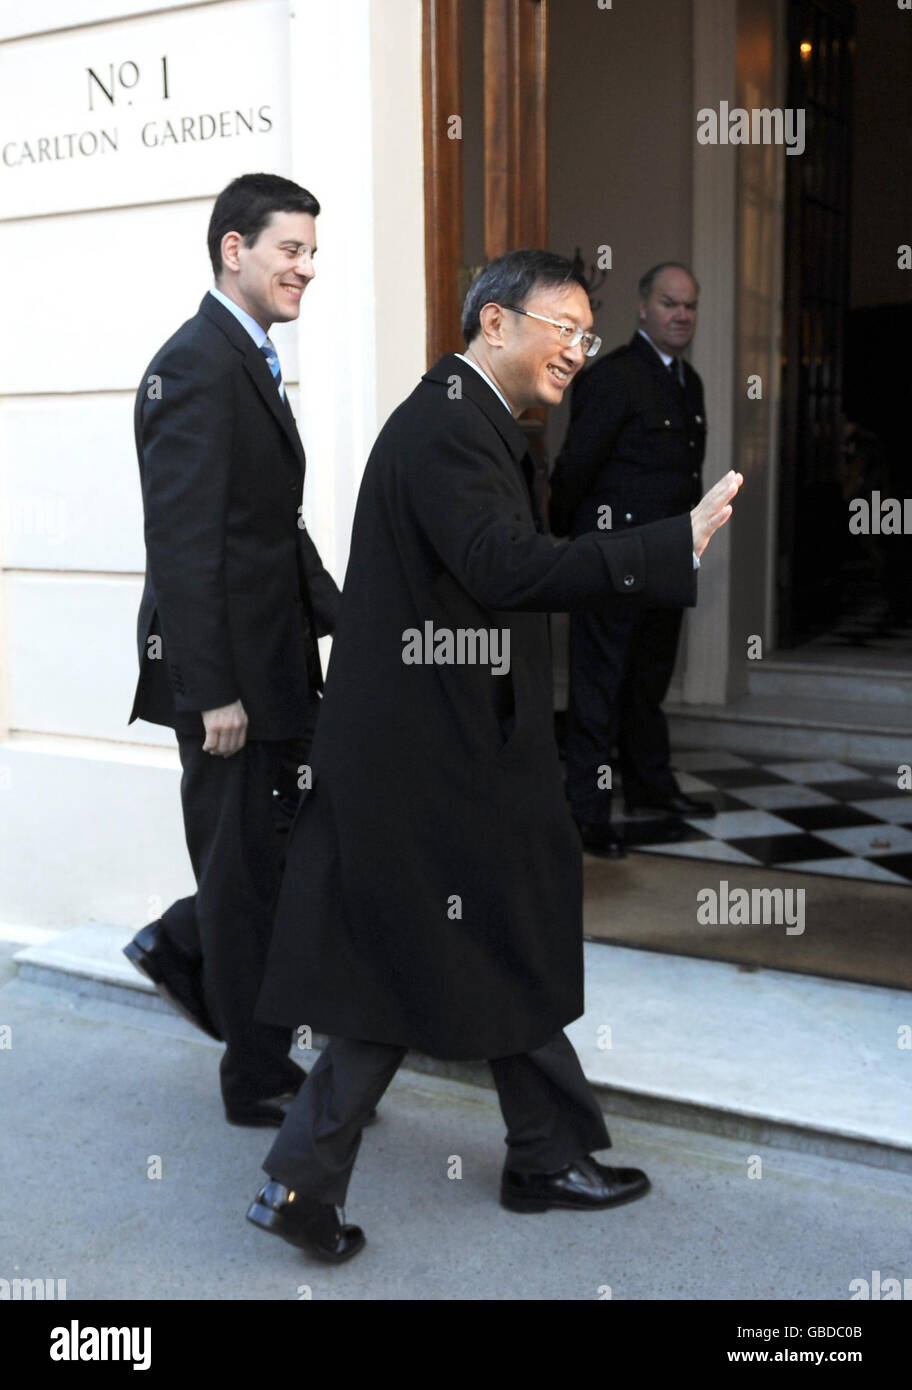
569	335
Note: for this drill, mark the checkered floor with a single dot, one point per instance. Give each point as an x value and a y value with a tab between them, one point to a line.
818	817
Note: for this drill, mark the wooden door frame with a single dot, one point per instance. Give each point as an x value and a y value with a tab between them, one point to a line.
516	186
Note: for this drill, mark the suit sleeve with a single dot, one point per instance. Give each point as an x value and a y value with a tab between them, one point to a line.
597	410
324	592
470	507
185	435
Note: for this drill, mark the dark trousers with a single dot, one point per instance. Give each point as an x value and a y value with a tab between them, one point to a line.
621	659
237	812
550	1110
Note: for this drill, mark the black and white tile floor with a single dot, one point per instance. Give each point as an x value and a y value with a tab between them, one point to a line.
824	817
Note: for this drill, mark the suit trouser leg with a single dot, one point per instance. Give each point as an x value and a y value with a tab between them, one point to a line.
550	1110
229	821
599	641
180	920
315	1150
645	751
182	925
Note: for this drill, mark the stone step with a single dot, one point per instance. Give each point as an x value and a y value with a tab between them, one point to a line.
799	726
760	1055
799	680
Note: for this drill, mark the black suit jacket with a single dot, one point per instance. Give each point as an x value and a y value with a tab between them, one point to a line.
235	593
636	443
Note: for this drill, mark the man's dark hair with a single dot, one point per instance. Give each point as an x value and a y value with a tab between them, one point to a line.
513	279
246	206
647	281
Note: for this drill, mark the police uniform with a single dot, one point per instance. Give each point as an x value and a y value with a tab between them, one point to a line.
633	454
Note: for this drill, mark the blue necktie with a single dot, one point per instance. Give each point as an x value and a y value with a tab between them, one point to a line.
272	357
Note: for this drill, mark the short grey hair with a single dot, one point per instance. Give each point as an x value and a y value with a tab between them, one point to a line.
512	279
646	282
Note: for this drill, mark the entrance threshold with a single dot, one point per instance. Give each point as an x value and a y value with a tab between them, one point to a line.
765	1056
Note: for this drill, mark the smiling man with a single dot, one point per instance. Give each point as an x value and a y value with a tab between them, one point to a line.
234	600
432	896
633	454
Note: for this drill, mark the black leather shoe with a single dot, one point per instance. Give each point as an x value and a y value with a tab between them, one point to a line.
585	1185
291	1081
678	804
175	977
600	838
310	1225
259	1114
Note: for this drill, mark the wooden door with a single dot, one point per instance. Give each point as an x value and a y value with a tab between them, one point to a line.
514	60
514	172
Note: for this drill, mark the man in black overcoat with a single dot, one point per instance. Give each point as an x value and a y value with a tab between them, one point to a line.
633	454
234	599
432	897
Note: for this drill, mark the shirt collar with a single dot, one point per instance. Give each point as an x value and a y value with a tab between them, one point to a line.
256	330
664	355
497	391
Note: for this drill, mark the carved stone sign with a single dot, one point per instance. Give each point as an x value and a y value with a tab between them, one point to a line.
146	110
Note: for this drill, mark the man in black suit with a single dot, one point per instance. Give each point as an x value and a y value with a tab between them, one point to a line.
432	895
633	454
234	600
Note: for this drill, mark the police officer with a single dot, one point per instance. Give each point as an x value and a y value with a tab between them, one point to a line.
633	454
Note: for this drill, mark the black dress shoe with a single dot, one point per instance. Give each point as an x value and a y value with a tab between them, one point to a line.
678	804
310	1225
260	1114
601	839
585	1185
177	979
290	1081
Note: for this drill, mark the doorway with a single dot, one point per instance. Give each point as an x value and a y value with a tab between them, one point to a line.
845	334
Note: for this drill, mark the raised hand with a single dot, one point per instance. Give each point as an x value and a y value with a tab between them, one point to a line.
714	510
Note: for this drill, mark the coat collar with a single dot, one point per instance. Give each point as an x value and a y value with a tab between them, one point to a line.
649	354
257	368
480	393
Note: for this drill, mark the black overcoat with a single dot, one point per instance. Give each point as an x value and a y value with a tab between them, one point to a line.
235	589
433	888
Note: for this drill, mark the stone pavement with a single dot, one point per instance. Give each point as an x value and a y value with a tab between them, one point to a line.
96	1093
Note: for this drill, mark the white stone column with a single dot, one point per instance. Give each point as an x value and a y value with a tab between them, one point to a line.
356	144
714	258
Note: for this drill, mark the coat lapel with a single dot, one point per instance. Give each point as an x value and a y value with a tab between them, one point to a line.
478	391
258	371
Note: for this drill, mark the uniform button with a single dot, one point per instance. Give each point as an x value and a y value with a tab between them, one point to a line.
667	424
629	579
693	444
628	516
696	475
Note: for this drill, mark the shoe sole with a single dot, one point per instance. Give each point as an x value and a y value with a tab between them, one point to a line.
143	963
255	1122
265	1219
528	1205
